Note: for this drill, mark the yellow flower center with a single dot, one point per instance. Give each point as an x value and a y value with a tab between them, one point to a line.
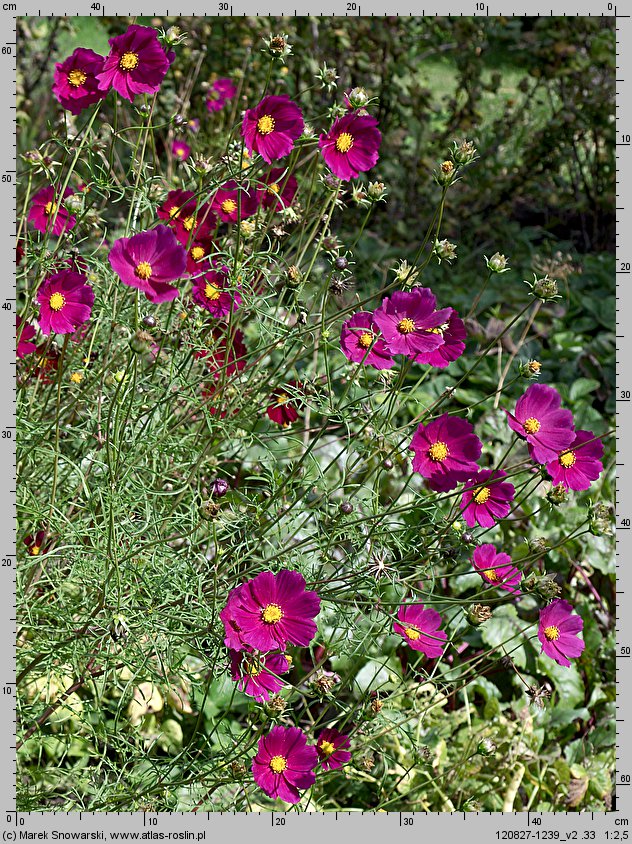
212	292
283	399
481	495
535	366
344	142
173	212
272	613
278	764
180	152
405	326
229	206
197	253
189	223
57	301
143	270
412	633
265	124
253	668
532	426
128	61
35	549
50	208
76	78
438	452
76	377
274	189
492	575
326	747
552	633
567	459
365	340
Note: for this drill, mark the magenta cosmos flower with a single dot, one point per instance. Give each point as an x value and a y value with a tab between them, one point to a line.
257	675
190	221
283	410
361	342
496	568
420	629
331	747
576	467
274	610
149	261
24	333
446	451
538	418
209	293
227	356
351	145
487	499
220	92
271	127
557	631
408	322
280	189
136	64
454	336
284	763
48	214
65	302
231	203
76	86
198	256
180	150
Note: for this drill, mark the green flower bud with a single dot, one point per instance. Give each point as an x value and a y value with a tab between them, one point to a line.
464	153
600	520
497	263
486	747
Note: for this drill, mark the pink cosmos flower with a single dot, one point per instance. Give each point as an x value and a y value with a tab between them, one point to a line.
180	150
220	92
181	212
149	261
420	629
65	302
231	203
454	336
209	293
271	127
284	763
360	341
538	418
24	333
331	747
198	256
281	189
351	145
282	410
496	568
46	207
273	610
76	84
257	674
557	632
136	64
232	639
446	451
487	498
580	464
408	321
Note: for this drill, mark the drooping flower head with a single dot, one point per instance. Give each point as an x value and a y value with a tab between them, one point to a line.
284	763
557	631
351	145
220	92
446	451
190	221
271	127
257	674
420	628
274	610
66	301
180	150
48	214
539	419
76	86
282	409
136	64
454	336
408	320
232	203
149	261
496	568
24	333
361	341
487	498
281	189
580	464
332	749
209	292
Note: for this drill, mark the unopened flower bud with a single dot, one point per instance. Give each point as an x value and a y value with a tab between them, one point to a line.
486	747
74	203
387	464
377	191
346	507
149	321
341	263
531	369
468	537
544	289
219	487
497	263
357	98
294	276
557	495
478	614
464	153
